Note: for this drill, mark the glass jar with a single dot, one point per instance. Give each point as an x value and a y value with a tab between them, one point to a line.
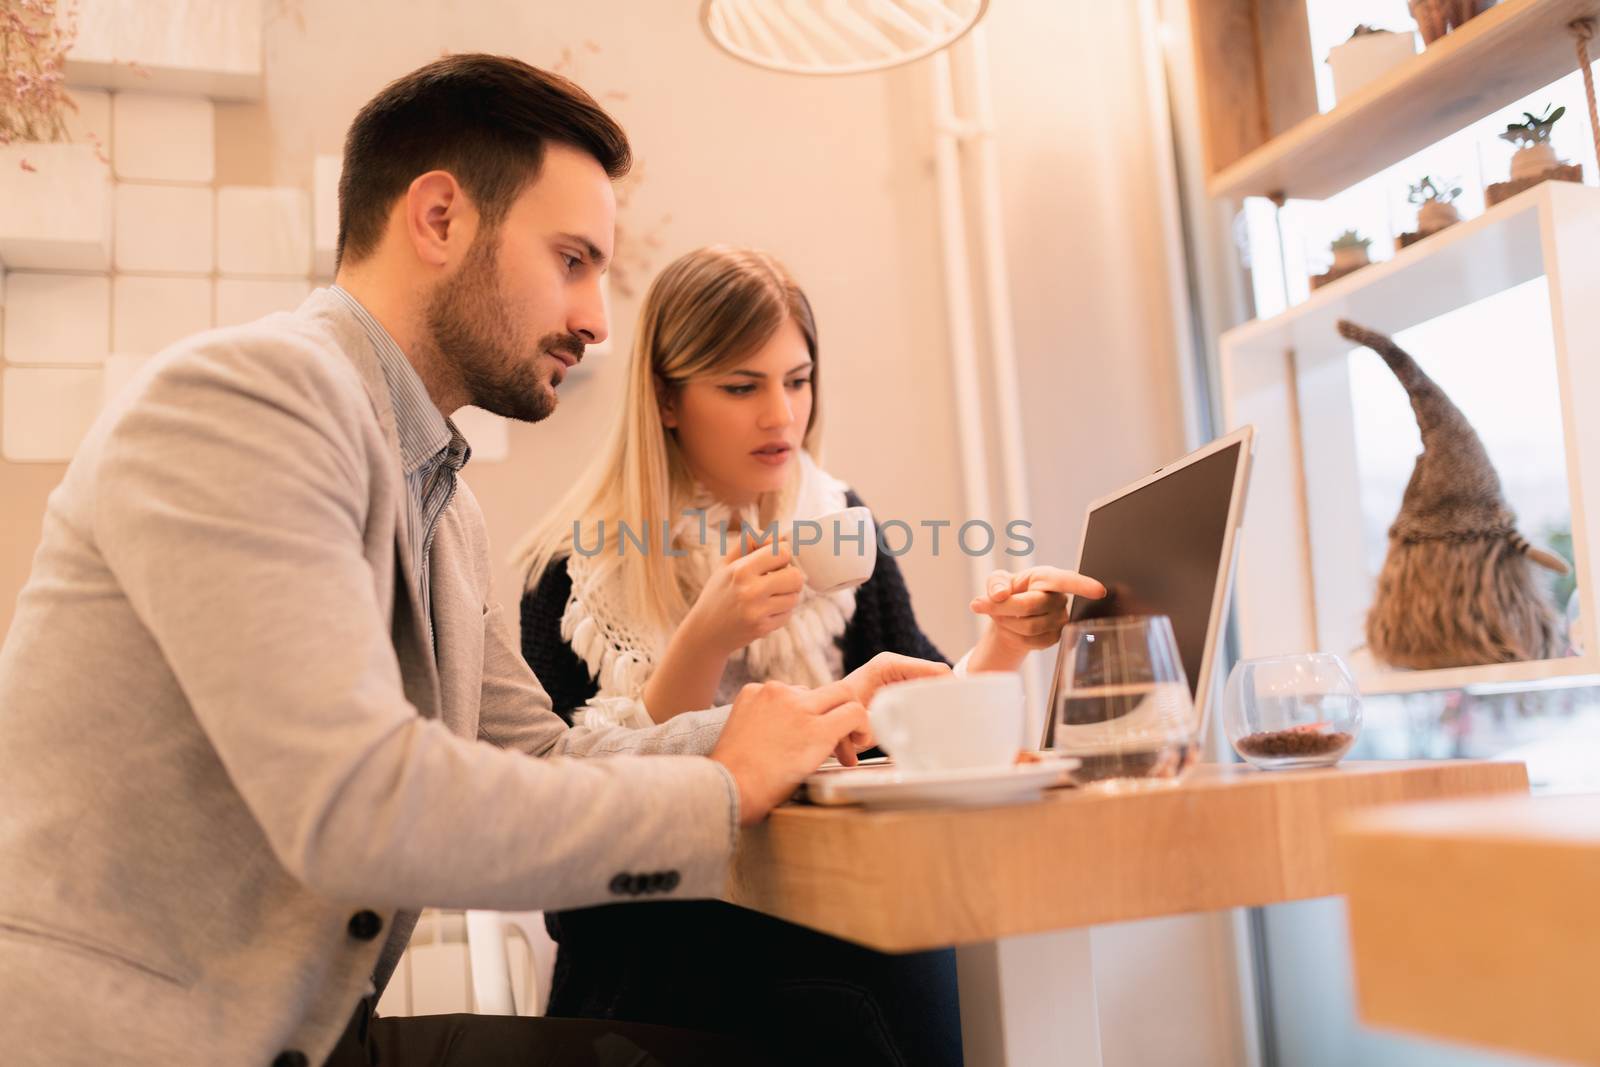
1299	710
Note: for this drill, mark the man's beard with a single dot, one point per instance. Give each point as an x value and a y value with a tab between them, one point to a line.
471	329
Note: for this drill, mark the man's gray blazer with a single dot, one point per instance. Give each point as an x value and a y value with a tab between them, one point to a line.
232	766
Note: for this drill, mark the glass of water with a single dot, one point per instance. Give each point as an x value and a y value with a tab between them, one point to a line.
1122	703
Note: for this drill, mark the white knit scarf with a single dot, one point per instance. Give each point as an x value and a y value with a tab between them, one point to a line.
621	656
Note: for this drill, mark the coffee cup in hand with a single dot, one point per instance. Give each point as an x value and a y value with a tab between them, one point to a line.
951	722
836	551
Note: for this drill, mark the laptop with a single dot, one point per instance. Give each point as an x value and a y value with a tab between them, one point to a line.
1167	545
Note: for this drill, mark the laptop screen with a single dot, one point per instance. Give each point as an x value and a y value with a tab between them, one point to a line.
1158	550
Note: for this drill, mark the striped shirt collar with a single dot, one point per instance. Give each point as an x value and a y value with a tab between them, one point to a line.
423	431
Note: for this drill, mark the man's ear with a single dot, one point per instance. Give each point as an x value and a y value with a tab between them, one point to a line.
439	219
667	404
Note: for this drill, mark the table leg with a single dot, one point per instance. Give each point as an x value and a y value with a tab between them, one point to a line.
1029	1001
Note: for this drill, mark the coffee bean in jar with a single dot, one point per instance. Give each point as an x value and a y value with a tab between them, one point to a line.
1295	742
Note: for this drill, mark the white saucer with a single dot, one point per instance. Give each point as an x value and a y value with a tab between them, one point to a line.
890	787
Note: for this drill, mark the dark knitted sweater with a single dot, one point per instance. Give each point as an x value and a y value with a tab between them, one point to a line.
707	965
883	622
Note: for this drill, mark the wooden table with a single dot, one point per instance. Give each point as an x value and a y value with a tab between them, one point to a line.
1479	921
1016	888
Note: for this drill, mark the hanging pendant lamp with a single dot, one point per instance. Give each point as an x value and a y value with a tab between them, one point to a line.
836	36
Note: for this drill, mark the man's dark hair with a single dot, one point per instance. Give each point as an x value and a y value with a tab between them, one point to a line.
485	119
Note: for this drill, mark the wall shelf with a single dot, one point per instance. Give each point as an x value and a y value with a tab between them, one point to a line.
1494	60
1303	581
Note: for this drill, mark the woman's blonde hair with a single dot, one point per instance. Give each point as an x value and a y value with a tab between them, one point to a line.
704	314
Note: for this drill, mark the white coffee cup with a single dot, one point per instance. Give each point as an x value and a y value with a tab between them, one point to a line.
951	722
836	551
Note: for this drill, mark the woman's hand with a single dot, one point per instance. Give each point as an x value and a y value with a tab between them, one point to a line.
750	594
1026	611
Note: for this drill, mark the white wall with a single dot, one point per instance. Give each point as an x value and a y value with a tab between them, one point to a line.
1092	247
827	174
823	173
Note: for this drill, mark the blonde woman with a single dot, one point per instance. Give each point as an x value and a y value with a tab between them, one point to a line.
636	611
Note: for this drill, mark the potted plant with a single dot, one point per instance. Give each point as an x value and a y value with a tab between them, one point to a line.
1535	155
1436	207
1349	252
1368	55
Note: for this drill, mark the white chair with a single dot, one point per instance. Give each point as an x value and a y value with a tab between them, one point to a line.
492	987
461	962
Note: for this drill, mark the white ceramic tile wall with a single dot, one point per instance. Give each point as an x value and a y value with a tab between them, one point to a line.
56	216
197	47
246	299
220	35
487	433
150	313
119	370
94	31
165	229
47	411
57	318
163	138
325	212
263	230
91	122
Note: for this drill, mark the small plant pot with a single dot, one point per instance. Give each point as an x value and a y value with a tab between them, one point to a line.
1349	259
1463	10
1433	19
1561	172
1532	161
1434	216
1362	60
1345	261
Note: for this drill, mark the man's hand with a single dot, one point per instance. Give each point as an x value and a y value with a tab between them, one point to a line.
1027	610
777	734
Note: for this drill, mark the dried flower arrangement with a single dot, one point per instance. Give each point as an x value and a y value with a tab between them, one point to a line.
33	50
